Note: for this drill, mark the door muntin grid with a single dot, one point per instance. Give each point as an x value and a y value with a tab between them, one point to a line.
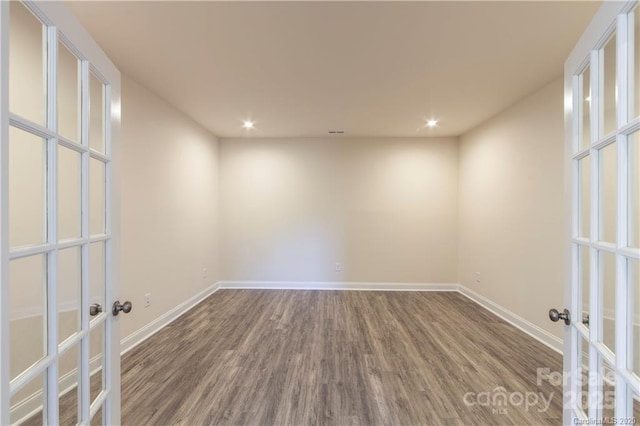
49	250
604	112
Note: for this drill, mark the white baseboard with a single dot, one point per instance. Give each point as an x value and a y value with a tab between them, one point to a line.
517	321
30	406
142	334
27	408
335	285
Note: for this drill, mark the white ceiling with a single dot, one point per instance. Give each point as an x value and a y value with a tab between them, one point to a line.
369	68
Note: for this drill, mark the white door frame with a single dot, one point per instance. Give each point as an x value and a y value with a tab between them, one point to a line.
611	17
62	24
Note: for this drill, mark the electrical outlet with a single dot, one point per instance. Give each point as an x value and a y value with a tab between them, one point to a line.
204	275
477	277
338	267
147	300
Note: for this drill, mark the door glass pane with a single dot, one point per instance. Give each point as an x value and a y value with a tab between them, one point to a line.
96	345
585	135
97	114
68	94
584	197
97	197
635	95
608	193
633	232
633	279
584	274
27	50
69	194
69	276
610	86
608	391
69	376
27	188
607	282
27	296
583	368
97	419
27	403
97	274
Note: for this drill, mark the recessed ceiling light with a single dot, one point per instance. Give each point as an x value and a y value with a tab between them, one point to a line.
432	123
248	124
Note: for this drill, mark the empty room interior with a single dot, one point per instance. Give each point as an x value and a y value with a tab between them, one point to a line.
304	213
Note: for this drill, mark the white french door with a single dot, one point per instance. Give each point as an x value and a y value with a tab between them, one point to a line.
59	124
602	151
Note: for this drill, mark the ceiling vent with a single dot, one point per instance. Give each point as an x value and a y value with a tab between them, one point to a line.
336	132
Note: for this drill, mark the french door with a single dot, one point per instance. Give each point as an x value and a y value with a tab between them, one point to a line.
602	151
59	124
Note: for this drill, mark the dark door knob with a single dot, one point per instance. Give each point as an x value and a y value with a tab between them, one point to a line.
554	316
124	307
95	309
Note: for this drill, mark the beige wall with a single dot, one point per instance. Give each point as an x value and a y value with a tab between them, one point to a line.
169	222
384	208
511	207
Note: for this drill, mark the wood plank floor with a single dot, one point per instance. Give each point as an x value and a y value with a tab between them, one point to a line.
254	357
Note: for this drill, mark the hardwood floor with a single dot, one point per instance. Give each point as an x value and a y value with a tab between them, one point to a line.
335	357
265	357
